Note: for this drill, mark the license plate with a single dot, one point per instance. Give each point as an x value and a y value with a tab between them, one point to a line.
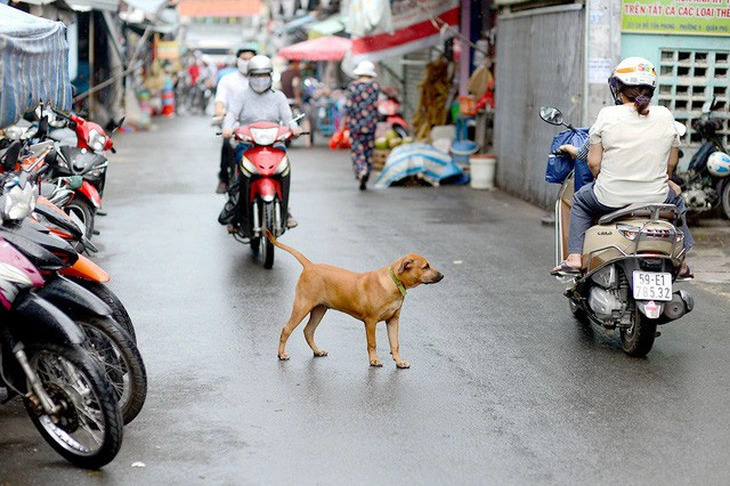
652	286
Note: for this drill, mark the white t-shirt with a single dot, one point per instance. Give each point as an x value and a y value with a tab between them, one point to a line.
228	86
635	154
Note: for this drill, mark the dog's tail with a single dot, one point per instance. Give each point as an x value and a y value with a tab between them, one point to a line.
302	259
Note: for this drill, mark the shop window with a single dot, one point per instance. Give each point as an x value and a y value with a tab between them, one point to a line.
687	80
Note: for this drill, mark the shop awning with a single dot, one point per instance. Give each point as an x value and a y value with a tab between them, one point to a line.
412	30
33	64
329	48
331	26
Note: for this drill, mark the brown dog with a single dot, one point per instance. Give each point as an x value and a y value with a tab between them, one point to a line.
370	297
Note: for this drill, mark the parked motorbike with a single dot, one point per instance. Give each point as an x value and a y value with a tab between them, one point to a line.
631	257
390	110
260	195
108	343
706	182
43	360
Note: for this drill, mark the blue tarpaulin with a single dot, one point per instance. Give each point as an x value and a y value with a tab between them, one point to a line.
33	64
420	160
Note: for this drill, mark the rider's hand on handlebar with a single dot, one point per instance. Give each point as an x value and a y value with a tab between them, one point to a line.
296	131
227	133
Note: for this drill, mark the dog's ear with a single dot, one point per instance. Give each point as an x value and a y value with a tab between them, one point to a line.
405	264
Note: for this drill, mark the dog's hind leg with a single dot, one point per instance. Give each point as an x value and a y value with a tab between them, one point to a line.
315	317
298	313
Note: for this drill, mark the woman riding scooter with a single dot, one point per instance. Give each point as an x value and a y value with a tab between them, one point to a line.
633	151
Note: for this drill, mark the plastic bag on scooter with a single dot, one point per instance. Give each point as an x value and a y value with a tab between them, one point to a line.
559	166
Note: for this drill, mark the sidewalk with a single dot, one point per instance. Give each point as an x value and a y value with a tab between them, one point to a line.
710	258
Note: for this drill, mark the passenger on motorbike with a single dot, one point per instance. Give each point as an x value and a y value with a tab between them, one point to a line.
260	102
633	151
228	86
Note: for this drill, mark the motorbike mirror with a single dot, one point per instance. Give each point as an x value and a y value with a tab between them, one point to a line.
42	128
551	115
709	105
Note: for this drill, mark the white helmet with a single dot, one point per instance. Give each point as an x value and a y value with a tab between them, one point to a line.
260	64
632	71
719	164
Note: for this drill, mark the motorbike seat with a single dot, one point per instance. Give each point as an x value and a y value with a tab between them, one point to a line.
667	212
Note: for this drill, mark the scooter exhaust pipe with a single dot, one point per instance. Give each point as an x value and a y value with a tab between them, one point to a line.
682	303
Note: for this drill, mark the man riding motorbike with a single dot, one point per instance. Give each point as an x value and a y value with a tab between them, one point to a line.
228	85
633	151
259	102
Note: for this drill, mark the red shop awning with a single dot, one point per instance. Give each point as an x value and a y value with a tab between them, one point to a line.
413	29
330	48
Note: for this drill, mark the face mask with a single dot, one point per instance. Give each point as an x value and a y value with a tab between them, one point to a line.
259	85
242	65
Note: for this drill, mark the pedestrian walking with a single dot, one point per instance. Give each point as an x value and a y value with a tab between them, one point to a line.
361	116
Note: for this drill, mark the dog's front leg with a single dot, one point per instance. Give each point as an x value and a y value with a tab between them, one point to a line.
392	324
372	345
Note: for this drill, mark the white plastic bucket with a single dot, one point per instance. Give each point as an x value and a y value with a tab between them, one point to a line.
483	169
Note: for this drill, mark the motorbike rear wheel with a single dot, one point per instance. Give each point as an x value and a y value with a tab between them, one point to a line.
268	221
725	198
638	339
119	360
119	312
87	430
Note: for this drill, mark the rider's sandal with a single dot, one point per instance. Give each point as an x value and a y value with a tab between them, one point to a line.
685	275
565	269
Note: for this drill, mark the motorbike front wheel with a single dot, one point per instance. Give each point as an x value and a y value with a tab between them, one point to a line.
268	220
87	429
84	211
638	339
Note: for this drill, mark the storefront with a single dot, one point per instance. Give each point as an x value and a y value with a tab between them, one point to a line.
689	41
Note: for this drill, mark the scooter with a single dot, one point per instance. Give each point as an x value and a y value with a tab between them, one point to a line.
631	259
390	110
108	343
704	188
260	195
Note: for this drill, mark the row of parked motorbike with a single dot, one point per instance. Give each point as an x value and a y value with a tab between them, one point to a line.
68	346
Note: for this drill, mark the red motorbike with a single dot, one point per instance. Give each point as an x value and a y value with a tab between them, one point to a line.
85	156
390	110
260	195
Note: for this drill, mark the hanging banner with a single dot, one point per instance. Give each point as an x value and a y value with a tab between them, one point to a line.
413	25
688	17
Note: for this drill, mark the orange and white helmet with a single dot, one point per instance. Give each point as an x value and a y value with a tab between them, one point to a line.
632	71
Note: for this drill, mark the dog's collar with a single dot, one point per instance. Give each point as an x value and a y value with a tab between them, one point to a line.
397	282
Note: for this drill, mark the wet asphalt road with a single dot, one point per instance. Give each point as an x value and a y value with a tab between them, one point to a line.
505	387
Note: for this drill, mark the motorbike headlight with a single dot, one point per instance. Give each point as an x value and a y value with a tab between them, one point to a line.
247	167
96	140
18	203
264	136
629	232
283	167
